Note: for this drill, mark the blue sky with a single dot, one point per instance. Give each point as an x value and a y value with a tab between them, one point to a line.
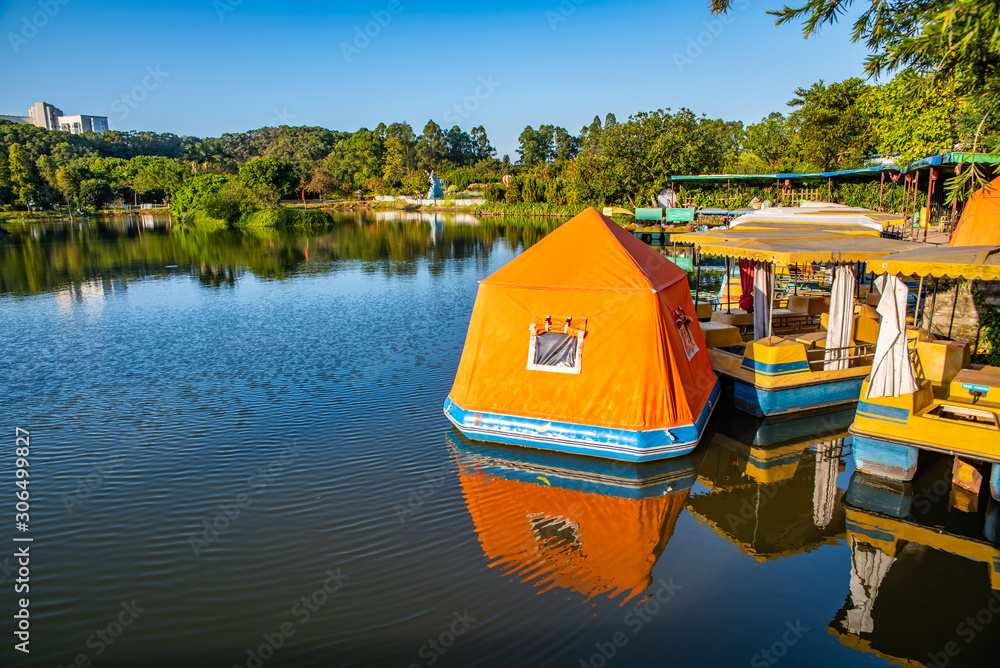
211	66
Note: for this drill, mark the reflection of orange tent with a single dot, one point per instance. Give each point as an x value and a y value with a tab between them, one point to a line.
635	382
980	222
590	543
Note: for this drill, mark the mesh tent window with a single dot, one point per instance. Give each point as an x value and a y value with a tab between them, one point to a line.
557	350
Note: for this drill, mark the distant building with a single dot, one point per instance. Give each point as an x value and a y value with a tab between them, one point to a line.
44	115
81	123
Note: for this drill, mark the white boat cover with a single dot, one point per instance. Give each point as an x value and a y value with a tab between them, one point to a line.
838	331
763	298
892	372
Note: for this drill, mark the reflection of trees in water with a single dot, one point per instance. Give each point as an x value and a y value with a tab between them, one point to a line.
44	258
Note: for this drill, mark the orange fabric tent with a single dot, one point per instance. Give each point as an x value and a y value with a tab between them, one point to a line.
642	365
980	221
589	543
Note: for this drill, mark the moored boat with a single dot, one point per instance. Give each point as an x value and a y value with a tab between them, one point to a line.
587	343
815	352
950	405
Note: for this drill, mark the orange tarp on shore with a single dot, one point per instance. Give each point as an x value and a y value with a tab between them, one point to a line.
634	306
980	222
588	543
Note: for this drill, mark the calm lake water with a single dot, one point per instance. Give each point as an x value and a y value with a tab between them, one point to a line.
239	458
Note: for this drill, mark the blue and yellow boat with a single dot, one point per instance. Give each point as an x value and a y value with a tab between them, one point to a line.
943	403
816	351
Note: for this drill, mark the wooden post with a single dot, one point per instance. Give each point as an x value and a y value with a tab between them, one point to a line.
918	313
951	323
930	189
697	281
881	192
729	288
954	206
829	189
930	318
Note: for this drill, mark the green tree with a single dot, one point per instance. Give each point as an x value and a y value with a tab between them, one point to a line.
6	187
534	146
567	146
161	176
590	135
432	147
913	126
95	193
483	150
67	185
357	160
395	159
266	180
22	177
768	143
831	128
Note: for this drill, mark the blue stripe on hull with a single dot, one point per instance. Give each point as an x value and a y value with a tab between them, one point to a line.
884	459
580	439
761	401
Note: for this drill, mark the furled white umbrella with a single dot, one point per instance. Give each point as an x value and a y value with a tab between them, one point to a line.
892	372
838	331
763	298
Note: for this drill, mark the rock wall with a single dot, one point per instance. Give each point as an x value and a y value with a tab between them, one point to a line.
964	326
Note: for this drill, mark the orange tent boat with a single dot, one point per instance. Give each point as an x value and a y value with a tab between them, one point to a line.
980	221
586	343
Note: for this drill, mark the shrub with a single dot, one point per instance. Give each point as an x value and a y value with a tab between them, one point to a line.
94	193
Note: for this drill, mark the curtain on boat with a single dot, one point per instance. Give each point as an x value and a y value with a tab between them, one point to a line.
746	283
763	297
838	331
892	371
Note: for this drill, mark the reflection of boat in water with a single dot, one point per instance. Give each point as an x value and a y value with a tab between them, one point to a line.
924	576
592	526
774	484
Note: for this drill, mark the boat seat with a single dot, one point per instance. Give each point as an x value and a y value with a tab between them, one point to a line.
988	376
872	298
939	361
718	335
865	311
738	318
808	304
812	339
704	311
968	380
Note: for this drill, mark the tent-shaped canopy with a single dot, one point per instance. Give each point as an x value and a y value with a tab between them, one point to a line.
828	215
642	365
969	262
980	221
791	246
